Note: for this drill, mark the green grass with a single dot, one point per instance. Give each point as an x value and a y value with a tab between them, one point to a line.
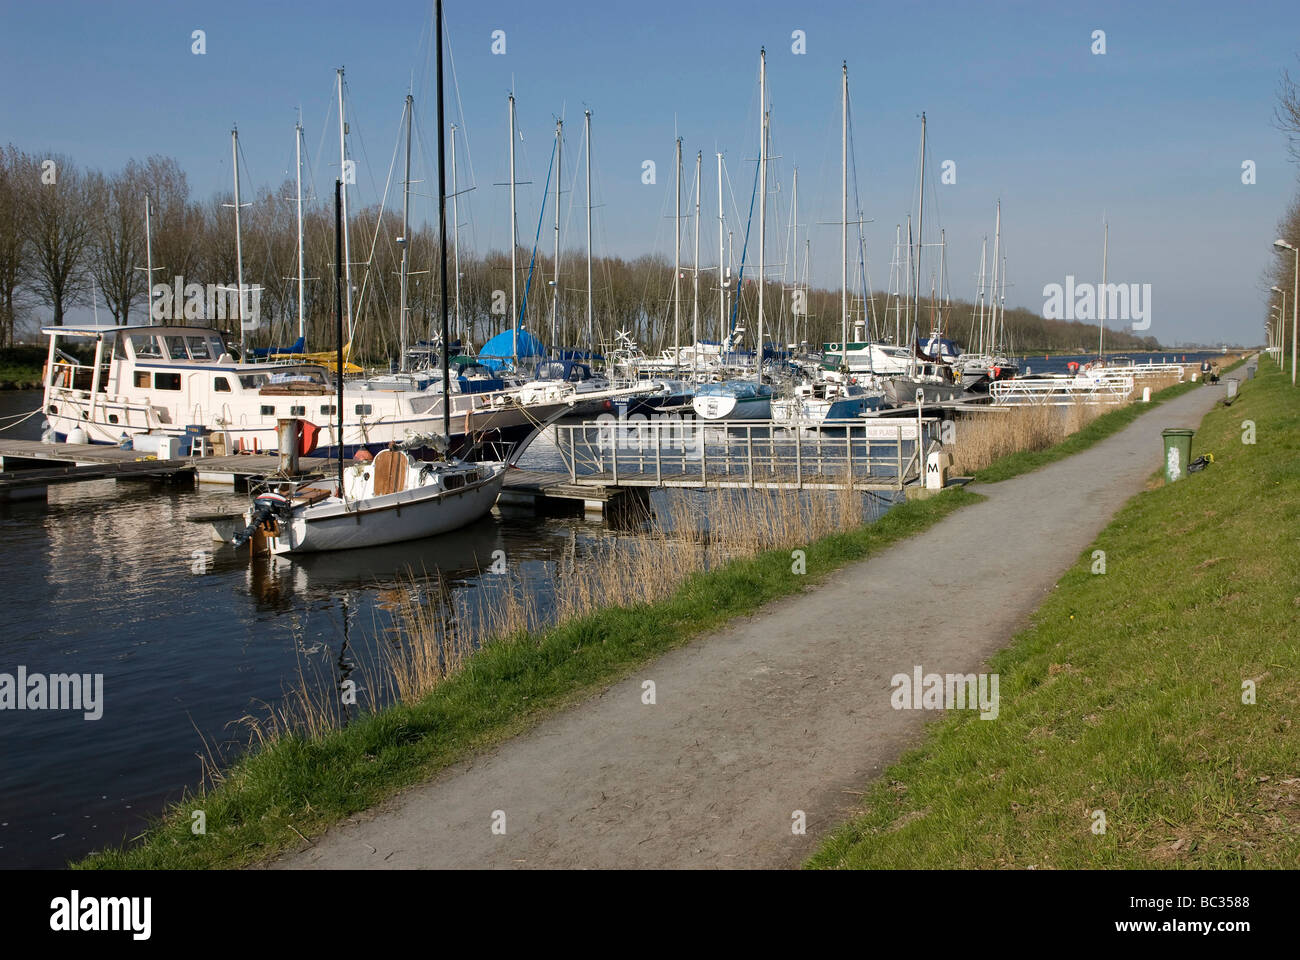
1125	693
10	373
298	787
1101	428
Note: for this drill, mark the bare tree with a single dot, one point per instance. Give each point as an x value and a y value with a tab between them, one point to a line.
117	242
60	228
16	168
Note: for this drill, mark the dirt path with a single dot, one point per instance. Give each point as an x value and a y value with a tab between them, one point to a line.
789	710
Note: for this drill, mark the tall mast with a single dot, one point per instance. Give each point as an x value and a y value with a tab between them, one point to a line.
148	254
907	324
302	294
762	204
406	239
794	246
997	243
722	280
898	288
591	336
943	262
514	246
347	254
979	341
695	311
677	262
455	227
239	249
442	238
1101	297
555	303
844	215
920	227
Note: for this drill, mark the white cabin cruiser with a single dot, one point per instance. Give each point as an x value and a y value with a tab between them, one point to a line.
158	380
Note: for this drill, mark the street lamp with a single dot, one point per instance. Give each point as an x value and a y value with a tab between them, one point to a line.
1295	290
1281	329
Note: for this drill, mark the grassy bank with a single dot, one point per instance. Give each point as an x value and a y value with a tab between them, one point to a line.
1125	695
1013	465
297	786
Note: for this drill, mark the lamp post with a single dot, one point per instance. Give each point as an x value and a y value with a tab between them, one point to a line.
1281	330
1295	291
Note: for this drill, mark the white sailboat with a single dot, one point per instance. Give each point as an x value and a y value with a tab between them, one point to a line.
394	496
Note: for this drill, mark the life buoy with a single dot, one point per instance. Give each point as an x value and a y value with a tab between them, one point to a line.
997	372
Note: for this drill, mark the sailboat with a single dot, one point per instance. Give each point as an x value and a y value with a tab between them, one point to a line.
832	394
393	497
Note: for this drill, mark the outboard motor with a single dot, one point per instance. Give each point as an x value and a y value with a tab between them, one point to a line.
267	507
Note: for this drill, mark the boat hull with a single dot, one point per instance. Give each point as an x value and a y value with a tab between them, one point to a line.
730	408
397	517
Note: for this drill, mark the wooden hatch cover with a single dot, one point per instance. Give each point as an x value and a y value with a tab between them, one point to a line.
390	472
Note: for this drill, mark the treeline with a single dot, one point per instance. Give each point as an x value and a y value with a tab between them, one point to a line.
1279	274
70	237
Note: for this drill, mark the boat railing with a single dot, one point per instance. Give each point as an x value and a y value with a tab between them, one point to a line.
680	452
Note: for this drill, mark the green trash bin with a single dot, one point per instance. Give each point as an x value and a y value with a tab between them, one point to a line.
1178	451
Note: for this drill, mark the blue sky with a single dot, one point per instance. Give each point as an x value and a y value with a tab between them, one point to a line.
1152	134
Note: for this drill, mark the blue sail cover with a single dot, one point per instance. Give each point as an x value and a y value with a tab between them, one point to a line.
499	352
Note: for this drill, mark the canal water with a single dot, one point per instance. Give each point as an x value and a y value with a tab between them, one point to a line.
110	578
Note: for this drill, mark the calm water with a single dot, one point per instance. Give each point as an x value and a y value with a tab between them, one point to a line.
110	578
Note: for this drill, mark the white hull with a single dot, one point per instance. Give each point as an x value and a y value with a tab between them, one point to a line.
407	515
729	408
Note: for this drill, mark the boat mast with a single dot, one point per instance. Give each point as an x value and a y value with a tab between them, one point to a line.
794	246
997	243
1101	298
343	175
898	342
148	255
695	309
920	233
591	338
455	227
239	250
405	240
722	280
984	249
677	262
844	215
442	238
514	245
898	286
555	282
338	314
302	294
762	204
943	263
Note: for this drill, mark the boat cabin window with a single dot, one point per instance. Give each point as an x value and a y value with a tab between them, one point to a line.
550	371
176	347
221	385
199	349
363	409
166	381
578	373
145	346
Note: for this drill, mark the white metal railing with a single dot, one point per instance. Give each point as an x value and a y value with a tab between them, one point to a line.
1062	391
743	453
